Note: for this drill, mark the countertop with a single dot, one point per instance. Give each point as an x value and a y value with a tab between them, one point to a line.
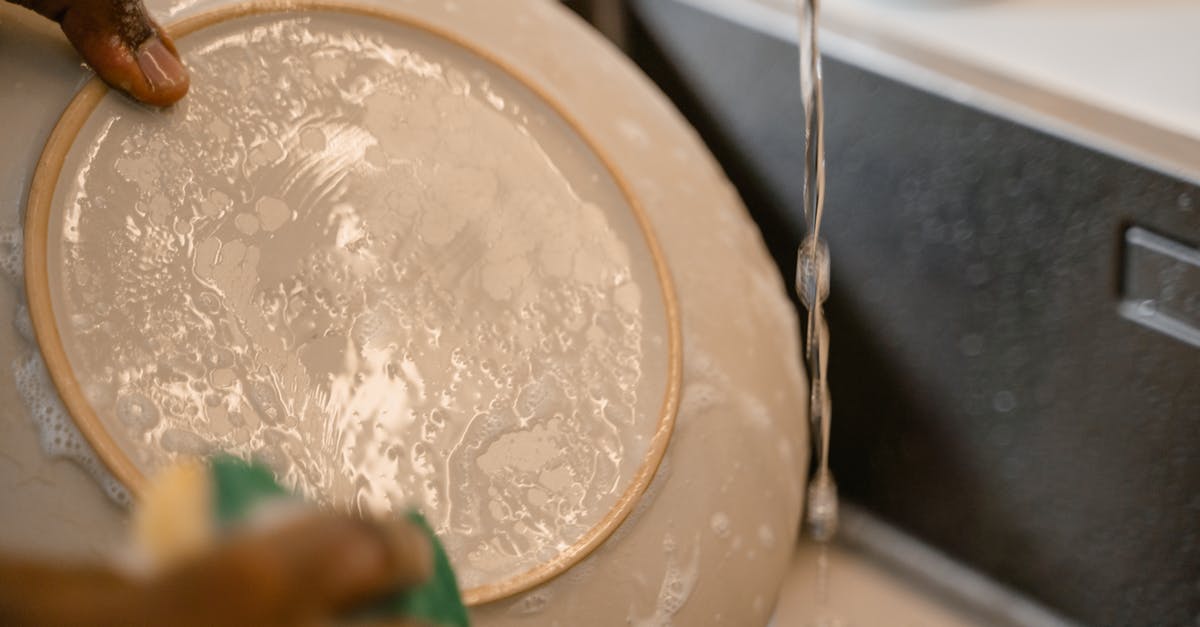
1119	76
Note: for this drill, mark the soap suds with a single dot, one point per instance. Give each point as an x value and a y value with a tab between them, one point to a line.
58	435
678	581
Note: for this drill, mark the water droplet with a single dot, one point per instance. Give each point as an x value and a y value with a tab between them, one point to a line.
822	507
812	272
720	525
1004	401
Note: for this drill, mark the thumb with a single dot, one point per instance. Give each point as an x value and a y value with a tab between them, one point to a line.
122	44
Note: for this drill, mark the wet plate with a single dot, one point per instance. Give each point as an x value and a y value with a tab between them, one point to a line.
374	258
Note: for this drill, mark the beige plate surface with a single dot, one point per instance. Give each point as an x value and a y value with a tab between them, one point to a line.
523	390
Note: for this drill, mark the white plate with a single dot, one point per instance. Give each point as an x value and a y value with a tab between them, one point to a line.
376	259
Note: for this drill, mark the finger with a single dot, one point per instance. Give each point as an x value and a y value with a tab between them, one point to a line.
45	593
313	567
351	560
122	44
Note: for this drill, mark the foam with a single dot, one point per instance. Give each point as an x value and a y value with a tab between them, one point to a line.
12	254
679	579
58	434
533	603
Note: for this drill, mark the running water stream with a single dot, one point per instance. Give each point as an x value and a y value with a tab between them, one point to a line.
812	285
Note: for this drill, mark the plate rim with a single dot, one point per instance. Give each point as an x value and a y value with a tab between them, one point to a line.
38	208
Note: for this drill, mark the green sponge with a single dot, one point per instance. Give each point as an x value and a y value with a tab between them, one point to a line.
238	486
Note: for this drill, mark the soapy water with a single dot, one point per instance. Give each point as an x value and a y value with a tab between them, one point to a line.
679	579
401	296
532	603
58	435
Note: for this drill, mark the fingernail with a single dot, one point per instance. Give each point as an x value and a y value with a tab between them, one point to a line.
161	68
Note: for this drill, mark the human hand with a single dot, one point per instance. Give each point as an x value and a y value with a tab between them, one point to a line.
122	44
302	573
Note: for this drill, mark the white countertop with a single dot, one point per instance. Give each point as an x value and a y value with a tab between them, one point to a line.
1135	58
1121	76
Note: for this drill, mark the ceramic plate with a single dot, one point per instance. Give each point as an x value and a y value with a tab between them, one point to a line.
374	258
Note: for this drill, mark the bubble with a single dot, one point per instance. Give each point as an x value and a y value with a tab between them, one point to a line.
217	203
58	435
272	213
246	223
766	536
535	602
1004	401
812	272
12	254
137	411
679	579
185	442
720	525
821	515
266	153
313	139
24	324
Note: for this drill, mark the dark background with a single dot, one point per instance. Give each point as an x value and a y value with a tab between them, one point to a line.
988	396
